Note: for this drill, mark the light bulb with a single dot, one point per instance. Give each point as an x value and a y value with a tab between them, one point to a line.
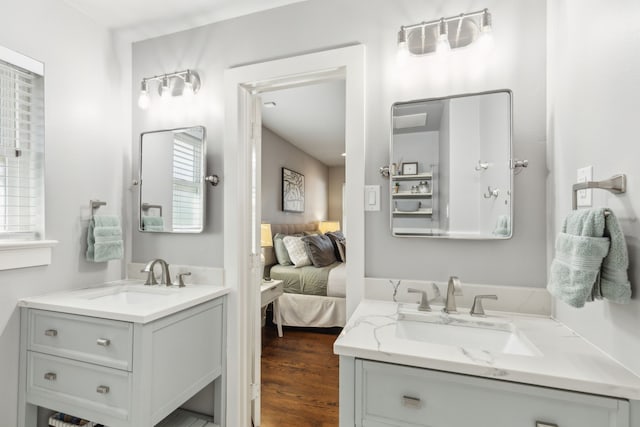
143	99
403	48
165	88
187	90
442	44
485	24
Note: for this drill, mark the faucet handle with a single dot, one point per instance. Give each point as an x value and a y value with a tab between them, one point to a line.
180	278
457	285
424	302
477	309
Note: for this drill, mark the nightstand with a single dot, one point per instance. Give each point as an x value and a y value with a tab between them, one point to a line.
270	293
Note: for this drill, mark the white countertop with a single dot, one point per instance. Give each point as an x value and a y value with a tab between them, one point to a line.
567	362
163	300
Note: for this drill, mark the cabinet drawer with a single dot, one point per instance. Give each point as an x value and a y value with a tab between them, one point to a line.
271	294
88	339
393	395
66	384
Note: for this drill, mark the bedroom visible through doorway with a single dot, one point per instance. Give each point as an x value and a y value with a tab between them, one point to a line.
302	200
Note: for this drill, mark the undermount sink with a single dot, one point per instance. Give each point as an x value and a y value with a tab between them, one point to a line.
464	332
124	295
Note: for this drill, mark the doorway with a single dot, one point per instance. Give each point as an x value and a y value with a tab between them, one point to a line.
242	149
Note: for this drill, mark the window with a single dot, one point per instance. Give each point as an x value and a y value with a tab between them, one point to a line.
187	183
21	153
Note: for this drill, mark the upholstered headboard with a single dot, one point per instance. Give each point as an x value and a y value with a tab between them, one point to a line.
269	253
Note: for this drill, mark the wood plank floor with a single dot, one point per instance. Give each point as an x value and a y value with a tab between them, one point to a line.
299	378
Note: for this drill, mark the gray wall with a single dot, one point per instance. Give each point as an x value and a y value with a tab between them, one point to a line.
278	153
517	61
336	181
87	155
593	120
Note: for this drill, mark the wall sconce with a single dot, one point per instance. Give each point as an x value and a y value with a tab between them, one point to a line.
185	83
444	34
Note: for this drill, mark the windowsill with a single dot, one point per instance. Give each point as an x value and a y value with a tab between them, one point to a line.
22	254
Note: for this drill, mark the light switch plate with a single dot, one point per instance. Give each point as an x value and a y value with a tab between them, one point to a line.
584	196
371	198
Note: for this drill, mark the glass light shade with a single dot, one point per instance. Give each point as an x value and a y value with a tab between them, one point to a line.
165	88
143	100
327	226
266	239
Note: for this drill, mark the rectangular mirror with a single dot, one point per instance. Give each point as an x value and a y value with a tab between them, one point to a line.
172	184
450	173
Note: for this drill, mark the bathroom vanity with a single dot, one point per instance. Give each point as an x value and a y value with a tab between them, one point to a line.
401	367
124	355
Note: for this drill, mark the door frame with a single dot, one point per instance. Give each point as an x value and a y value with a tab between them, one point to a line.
242	85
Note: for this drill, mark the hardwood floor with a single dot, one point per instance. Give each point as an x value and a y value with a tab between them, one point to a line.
299	378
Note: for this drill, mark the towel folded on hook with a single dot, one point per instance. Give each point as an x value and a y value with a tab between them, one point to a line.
104	239
152	223
590	247
503	226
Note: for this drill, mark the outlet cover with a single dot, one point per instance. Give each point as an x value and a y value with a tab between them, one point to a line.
584	196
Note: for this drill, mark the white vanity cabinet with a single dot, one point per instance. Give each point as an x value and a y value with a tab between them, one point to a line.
395	395
118	373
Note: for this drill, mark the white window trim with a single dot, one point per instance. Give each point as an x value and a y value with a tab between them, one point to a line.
30	253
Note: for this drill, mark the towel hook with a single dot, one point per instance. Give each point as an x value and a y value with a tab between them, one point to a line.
617	184
491	192
95	204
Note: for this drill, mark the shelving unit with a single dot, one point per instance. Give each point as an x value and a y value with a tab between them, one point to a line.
418	177
421	212
409	195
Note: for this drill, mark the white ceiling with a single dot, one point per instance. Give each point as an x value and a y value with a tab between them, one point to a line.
310	117
151	18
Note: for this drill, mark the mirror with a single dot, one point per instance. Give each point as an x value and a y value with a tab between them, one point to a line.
451	174
172	181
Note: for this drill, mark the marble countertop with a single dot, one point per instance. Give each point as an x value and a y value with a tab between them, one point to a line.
567	362
126	300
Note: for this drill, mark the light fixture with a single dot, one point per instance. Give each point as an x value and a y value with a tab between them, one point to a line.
327	226
442	45
168	84
143	99
433	36
344	154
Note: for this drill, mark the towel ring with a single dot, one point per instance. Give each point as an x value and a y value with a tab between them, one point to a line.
617	184
95	205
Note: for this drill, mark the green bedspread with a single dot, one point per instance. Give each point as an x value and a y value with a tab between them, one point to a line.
304	280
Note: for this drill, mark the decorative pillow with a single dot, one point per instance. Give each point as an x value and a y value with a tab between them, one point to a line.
335	236
342	250
281	251
320	250
297	253
312	233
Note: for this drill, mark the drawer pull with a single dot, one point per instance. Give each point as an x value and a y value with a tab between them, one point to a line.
102	389
103	342
411	402
543	424
50	376
51	333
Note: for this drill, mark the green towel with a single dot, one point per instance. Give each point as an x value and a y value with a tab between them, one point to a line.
503	226
152	223
104	239
614	280
580	249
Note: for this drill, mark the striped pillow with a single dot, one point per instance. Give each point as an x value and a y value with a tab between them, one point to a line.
297	253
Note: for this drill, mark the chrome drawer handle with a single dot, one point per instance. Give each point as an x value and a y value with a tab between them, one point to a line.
411	402
102	389
543	424
50	376
51	333
103	342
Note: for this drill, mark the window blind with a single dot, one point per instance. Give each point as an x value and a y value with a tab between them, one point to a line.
187	180
21	153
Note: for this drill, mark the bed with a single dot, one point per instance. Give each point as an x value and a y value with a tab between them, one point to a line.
314	296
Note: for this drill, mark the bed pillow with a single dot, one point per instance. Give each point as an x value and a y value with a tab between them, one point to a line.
320	250
297	252
335	236
342	250
281	251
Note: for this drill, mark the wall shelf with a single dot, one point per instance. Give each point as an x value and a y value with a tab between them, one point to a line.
418	177
421	212
409	195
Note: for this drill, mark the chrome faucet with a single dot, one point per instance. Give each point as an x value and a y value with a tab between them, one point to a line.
165	279
424	301
454	287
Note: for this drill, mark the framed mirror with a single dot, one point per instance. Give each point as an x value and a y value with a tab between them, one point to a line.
451	173
172	181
